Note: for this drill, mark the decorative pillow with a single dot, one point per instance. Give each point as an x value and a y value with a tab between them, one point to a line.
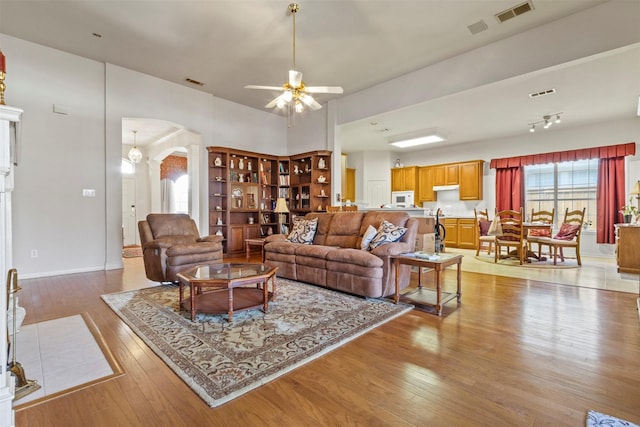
387	233
567	232
484	227
367	237
540	232
303	231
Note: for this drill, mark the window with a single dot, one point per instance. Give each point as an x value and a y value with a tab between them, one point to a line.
563	185
127	167
181	195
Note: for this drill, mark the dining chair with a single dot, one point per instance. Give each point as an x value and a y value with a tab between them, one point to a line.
483	223
540	236
512	235
569	235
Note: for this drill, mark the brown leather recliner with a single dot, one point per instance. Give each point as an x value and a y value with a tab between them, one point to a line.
171	243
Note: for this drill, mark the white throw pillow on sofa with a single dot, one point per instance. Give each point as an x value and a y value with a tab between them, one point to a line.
303	231
387	233
367	237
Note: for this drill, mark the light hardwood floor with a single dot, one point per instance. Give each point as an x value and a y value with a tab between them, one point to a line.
516	352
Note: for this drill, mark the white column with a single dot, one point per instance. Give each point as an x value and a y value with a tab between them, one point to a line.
8	150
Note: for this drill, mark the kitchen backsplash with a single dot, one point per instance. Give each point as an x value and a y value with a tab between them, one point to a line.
450	204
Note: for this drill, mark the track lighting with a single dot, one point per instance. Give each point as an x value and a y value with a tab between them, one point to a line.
547	120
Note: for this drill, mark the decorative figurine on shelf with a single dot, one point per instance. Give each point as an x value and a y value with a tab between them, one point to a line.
269	231
219	221
321	164
241	176
217	161
398	164
322	179
240	164
232	164
322	194
219	233
319	207
296	170
249	165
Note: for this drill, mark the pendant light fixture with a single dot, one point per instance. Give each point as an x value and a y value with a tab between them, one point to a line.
135	155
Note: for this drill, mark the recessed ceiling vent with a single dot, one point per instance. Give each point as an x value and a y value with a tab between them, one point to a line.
542	93
194	82
477	27
514	11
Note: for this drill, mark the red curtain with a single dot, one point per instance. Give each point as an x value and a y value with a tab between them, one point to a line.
606	152
509	188
610	197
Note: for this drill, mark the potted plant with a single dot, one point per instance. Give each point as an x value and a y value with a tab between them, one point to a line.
629	211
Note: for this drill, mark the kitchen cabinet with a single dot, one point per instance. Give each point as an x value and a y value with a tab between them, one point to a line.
628	248
446	174
349	185
404	179
470	177
451	233
467	233
460	233
425	184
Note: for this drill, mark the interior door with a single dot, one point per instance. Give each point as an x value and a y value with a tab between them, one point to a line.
378	193
129	230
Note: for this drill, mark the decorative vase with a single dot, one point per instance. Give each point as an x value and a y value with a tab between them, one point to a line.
240	164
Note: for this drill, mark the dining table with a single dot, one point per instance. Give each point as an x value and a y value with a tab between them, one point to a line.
535	225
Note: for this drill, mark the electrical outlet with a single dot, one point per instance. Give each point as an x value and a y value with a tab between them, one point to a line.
34	253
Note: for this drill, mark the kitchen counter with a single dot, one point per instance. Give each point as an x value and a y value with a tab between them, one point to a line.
416	212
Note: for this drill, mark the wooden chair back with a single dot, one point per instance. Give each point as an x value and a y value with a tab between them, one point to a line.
482	224
569	234
545	217
512	234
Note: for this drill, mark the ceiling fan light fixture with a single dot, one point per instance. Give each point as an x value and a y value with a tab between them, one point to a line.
295	94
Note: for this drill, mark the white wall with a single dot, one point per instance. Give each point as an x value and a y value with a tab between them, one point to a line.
62	154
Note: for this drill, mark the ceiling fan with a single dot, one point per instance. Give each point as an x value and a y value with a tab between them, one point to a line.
295	93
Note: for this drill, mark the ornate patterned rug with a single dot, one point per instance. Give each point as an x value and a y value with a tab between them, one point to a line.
132	251
595	419
221	360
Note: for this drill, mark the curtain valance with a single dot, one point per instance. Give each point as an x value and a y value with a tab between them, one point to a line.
173	167
606	152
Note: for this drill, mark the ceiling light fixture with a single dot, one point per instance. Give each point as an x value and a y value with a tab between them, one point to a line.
295	94
547	120
135	155
412	140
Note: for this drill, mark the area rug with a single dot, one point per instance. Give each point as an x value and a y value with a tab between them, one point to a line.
132	251
547	262
596	419
221	361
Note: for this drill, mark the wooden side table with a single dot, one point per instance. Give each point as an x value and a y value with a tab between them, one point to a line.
423	296
254	242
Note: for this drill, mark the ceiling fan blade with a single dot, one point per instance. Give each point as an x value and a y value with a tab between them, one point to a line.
263	87
295	78
315	105
323	89
274	102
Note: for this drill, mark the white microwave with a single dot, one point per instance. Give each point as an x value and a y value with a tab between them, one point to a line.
402	199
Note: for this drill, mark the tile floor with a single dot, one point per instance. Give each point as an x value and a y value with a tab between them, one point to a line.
59	354
596	273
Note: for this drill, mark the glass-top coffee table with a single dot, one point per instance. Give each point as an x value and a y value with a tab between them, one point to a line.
227	287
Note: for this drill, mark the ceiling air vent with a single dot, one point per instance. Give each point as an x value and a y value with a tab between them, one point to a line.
541	93
514	11
477	27
194	82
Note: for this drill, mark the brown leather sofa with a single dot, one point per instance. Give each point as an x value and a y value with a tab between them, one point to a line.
171	243
335	260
